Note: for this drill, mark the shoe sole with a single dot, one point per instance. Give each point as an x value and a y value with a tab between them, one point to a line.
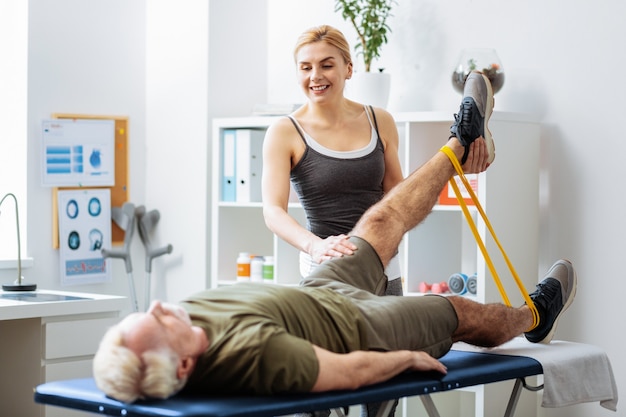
491	147
568	302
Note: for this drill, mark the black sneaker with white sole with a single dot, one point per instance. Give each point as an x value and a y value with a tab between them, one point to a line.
552	297
473	117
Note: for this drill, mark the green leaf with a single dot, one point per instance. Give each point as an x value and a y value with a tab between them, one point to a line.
369	19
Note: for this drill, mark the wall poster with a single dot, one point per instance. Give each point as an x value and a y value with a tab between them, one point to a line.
84	229
78	153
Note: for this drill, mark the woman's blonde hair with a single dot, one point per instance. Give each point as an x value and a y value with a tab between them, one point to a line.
327	34
123	375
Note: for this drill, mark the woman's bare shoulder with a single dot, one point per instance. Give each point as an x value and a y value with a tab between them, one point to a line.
383	115
280	126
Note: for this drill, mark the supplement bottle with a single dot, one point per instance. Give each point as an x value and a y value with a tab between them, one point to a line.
256	269
268	269
243	266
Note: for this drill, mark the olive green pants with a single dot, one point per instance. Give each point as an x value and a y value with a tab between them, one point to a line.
424	323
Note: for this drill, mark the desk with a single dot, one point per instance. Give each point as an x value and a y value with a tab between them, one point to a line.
46	336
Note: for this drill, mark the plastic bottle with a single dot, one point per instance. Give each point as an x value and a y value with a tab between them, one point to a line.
243	266
268	269
256	269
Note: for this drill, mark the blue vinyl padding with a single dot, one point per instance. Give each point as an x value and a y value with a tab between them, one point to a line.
464	369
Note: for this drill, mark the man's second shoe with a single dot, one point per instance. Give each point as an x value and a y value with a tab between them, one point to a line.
552	297
473	117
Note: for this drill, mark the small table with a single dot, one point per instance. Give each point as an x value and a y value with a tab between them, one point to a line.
47	336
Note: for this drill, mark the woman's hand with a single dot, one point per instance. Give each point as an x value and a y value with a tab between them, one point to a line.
331	247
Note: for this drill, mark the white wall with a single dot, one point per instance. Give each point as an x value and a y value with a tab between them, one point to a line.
84	58
13	113
176	143
123	58
198	68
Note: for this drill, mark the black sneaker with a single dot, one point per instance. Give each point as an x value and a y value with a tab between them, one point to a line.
473	117
552	297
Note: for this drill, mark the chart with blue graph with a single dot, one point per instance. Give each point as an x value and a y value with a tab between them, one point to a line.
78	153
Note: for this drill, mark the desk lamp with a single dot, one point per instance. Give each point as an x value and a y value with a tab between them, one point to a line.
18	285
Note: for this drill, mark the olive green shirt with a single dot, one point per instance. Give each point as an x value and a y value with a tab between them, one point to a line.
261	336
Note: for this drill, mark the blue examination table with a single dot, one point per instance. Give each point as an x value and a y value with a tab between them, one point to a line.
464	369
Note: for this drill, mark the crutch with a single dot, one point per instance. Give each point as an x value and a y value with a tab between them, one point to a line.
124	217
146	223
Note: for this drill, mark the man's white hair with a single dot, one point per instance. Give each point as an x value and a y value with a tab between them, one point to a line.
124	376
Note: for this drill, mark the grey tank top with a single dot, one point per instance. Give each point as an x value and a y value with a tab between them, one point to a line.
336	187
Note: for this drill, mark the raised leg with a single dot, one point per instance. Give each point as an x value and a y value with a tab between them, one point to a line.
409	202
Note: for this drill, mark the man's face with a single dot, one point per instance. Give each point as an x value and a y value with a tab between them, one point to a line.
163	325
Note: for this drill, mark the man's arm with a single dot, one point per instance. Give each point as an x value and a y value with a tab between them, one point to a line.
356	369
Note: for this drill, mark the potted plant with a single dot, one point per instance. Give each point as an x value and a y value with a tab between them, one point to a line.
369	19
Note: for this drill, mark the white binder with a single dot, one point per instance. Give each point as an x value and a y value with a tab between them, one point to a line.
249	165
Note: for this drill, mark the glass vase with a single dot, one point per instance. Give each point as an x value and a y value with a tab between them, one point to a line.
485	60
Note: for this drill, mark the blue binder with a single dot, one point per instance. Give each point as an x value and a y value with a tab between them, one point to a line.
249	164
229	165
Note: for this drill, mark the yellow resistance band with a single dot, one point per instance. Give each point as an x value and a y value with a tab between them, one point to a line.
457	166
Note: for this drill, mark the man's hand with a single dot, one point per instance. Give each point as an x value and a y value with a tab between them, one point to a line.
423	362
356	369
477	157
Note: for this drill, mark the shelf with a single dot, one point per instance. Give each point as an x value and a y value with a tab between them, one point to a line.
253	205
450	207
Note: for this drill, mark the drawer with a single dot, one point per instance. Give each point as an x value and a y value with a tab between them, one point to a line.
66	370
65	339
